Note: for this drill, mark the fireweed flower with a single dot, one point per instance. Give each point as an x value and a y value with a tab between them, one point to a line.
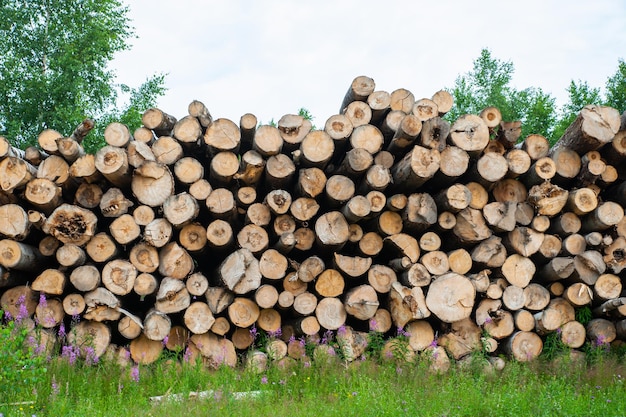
42	300
71	353
90	356
373	324
62	332
187	355
23	311
253	332
134	373
165	340
54	387
342	330
264	379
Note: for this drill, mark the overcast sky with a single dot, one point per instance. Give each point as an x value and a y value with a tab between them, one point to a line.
272	57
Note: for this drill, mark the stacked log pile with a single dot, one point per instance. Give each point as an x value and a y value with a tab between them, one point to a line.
195	233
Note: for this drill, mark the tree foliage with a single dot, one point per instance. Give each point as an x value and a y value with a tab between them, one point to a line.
489	84
53	65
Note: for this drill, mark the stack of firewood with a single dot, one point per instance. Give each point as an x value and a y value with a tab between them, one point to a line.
196	233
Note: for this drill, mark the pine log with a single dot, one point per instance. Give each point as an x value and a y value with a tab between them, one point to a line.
471	227
548	199
114	203
279	172
594	127
188	170
416	275
524	346
451	297
175	261
360	89
198	317
158	232
145	284
88	334
415	168
358	112
152	183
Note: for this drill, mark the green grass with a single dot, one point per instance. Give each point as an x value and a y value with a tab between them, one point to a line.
556	384
361	388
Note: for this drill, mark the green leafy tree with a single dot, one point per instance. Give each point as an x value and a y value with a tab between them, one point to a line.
579	95
53	64
616	88
139	99
489	84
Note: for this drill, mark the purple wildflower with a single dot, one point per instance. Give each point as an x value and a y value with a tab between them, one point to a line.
43	302
402	332
341	331
23	311
165	340
277	333
62	332
134	373
71	353
264	379
307	364
292	338
254	332
55	389
373	325
301	342
187	355
8	316
327	337
433	344
90	356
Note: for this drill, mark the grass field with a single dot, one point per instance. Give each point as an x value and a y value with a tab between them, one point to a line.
371	386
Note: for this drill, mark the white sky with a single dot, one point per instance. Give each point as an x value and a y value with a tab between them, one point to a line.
272	57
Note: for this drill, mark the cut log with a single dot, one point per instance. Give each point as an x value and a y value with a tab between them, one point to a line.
605	215
415	168
360	89
180	209
523	240
152	183
489	253
193	237
175	261
330	313
224	135
198	110
114	203
158	232
471	227
594	127
118	276
71	256
89	336
240	272
144	350
279	172
524	346
330	283
470	133
198	317
85	278
172	296
188	170
145	284
124	229
451	297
